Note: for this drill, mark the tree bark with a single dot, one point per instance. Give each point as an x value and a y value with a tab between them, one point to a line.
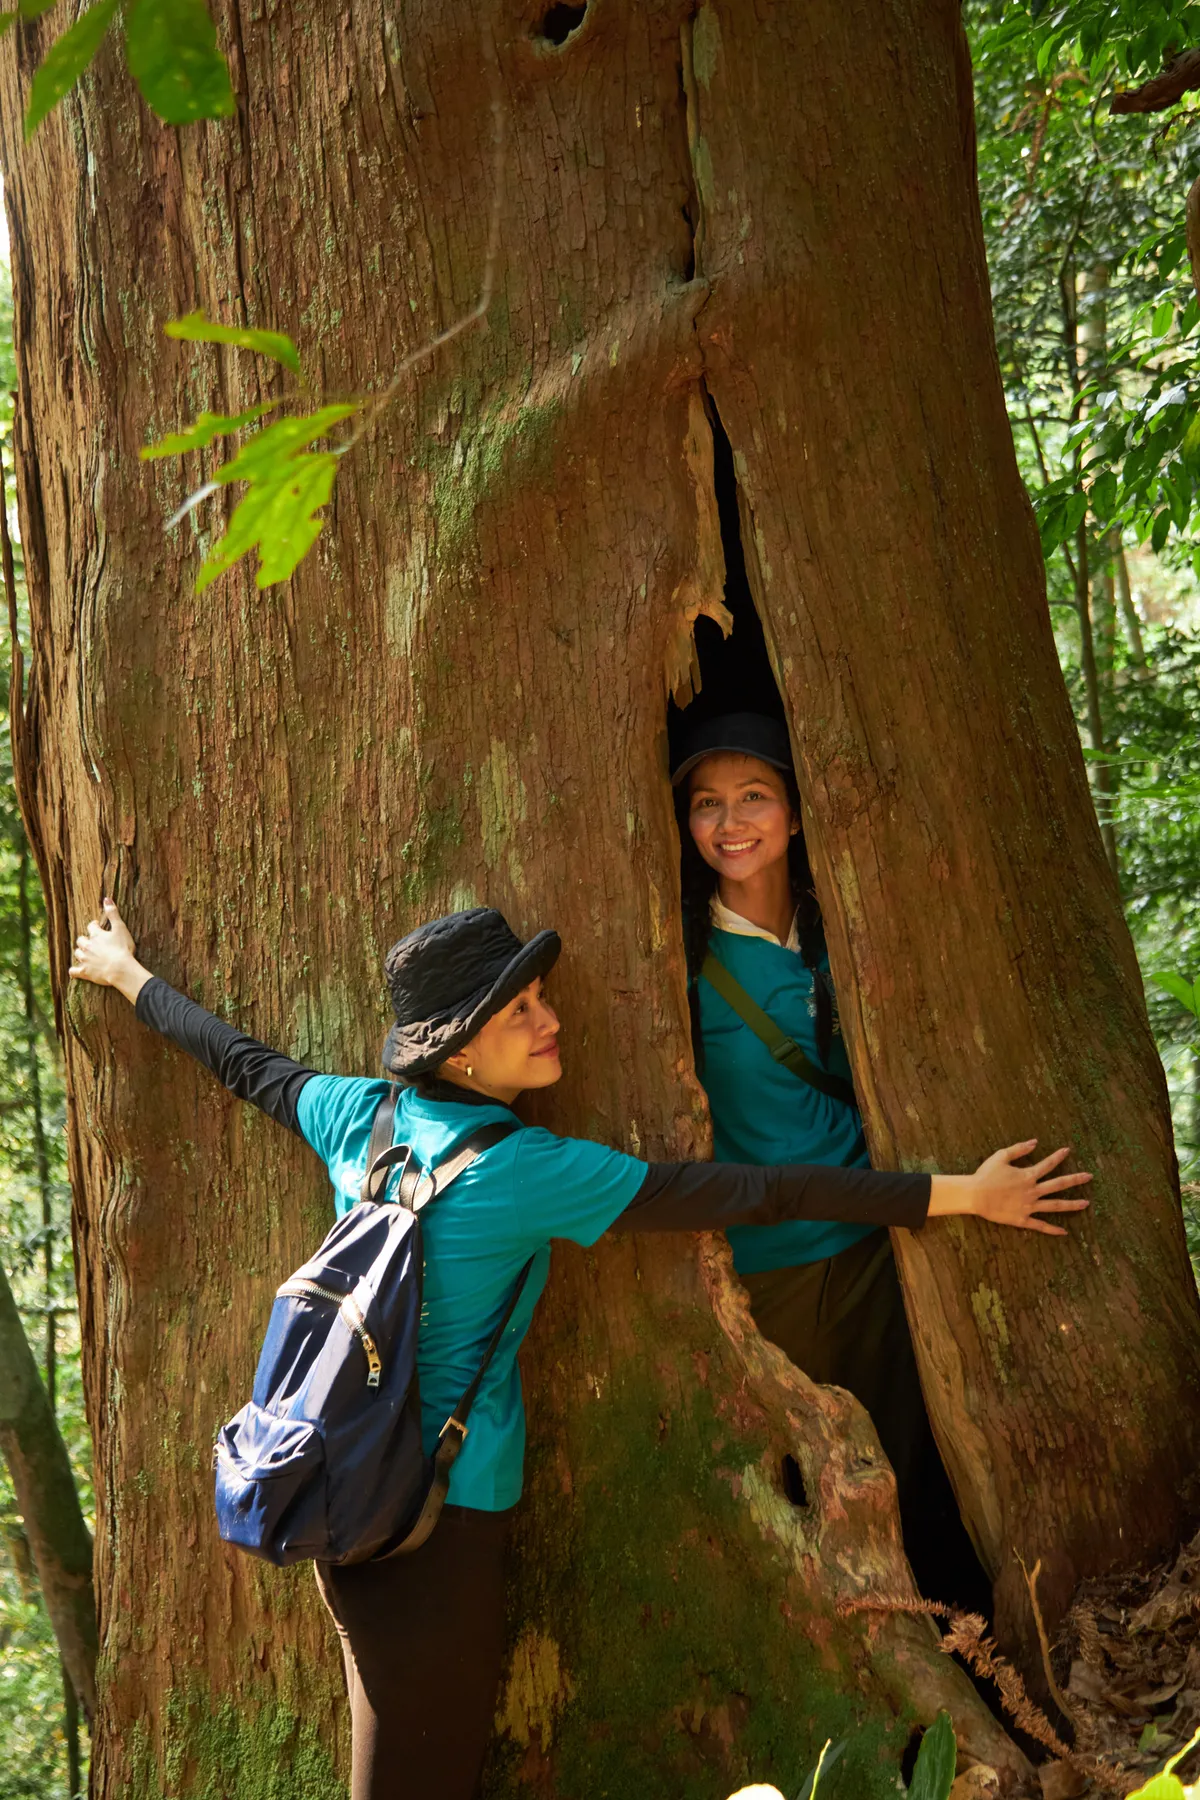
32	1446
461	697
975	929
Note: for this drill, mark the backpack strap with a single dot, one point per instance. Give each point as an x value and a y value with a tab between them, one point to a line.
453	1434
784	1049
382	1127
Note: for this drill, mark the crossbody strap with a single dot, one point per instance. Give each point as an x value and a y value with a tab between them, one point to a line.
784	1049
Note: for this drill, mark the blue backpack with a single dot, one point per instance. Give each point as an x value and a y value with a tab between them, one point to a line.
326	1460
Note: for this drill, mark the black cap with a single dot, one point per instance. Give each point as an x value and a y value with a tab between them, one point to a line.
448	978
748	734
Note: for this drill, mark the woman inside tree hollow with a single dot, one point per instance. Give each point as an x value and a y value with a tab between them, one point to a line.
423	1634
769	1053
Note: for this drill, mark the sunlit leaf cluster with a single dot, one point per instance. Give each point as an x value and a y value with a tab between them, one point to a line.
285	480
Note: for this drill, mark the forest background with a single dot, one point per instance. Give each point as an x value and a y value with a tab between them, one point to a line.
1097	328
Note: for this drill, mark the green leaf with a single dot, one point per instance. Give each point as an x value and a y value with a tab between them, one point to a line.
65	61
1186	992
1164	318
1074	513
1189	449
933	1776
6	20
825	1762
202	432
277	516
1160	1787
1104	495
196	329
1179	1755
171	48
33	9
1160	530
265	456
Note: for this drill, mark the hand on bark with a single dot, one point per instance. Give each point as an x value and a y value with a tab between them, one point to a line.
105	954
1006	1195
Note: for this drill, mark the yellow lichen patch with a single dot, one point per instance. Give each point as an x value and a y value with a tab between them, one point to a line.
993	1327
537	1688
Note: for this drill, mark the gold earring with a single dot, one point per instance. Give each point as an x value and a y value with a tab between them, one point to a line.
470	1071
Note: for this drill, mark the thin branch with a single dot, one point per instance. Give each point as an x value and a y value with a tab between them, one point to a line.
1181	74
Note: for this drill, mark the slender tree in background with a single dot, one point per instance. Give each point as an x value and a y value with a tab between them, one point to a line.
460	696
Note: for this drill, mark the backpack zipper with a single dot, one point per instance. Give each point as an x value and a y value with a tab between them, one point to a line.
302	1289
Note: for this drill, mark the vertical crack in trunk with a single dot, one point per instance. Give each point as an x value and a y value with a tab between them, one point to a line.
694	210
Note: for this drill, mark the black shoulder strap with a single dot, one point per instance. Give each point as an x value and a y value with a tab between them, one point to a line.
784	1049
382	1126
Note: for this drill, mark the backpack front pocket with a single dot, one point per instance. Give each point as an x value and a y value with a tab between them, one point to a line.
270	1486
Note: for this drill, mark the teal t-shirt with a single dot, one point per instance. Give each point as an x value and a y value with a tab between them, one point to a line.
506	1207
762	1113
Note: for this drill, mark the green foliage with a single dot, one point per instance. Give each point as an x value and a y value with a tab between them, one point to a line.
1186	992
66	60
170	48
1167	1785
195	328
287	482
830	1752
1097	333
933	1775
201	433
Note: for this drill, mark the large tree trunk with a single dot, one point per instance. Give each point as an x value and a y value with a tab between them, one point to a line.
461	696
991	990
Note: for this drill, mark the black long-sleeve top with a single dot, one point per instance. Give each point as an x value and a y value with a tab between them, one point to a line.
698	1196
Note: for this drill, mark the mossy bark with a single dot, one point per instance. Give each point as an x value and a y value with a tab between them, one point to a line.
461	697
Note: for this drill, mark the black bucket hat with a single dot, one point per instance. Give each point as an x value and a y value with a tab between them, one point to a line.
751	734
448	978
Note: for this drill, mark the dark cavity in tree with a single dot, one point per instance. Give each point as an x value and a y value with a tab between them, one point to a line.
558	24
793	1481
908	1761
735	672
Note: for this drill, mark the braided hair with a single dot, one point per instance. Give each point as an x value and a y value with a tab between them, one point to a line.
699	884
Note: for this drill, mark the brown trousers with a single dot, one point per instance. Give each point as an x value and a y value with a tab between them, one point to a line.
842	1321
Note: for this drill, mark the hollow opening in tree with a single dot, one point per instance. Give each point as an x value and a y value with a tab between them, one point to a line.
735	671
559	23
732	673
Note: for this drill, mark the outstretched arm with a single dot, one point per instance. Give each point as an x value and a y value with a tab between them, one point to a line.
711	1196
264	1077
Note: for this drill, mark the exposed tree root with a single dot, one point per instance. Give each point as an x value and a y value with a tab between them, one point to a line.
967	1637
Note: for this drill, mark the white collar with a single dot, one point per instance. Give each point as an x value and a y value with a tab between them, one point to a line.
725	919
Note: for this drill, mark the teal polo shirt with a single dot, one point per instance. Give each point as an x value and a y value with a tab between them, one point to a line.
762	1113
477	1237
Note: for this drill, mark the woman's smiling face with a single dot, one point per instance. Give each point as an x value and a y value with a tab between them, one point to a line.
739	814
516	1049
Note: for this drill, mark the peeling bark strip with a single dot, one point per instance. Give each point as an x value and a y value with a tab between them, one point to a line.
460	696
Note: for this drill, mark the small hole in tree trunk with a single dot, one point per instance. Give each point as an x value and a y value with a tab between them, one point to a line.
908	1761
793	1482
559	23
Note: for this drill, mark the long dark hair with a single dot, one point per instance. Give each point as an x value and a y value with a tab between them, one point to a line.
699	884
